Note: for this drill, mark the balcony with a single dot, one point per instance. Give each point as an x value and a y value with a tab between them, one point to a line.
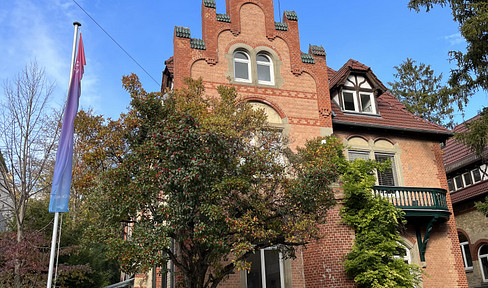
415	201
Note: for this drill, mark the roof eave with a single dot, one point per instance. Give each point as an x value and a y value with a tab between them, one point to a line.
441	134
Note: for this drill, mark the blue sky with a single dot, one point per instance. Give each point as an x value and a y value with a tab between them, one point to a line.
378	33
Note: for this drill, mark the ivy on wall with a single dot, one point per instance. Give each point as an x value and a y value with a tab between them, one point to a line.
376	223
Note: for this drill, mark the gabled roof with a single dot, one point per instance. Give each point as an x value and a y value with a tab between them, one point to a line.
330	73
354	66
392	116
456	155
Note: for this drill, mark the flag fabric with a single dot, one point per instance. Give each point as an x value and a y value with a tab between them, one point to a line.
64	157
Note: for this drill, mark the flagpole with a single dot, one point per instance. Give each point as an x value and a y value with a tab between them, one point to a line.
56	215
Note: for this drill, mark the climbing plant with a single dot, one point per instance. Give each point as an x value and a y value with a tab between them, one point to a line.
376	222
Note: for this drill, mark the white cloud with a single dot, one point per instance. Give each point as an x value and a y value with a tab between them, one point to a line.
454	39
39	30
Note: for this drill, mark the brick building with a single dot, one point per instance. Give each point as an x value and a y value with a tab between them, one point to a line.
247	48
468	183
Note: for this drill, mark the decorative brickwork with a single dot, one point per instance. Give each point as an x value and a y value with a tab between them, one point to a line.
301	96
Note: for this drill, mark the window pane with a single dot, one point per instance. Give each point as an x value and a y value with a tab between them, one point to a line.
241	70
353	155
272	262
366	103
468	262
254	276
262	58
241	55
264	73
484	264
348	98
450	183
476	175
467	179
484	250
462	238
387	177
459	182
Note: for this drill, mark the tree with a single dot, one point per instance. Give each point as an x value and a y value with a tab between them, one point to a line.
476	138
209	175
28	135
422	93
471	73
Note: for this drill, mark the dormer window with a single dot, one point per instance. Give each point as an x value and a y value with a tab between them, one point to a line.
349	101
362	104
367	102
242	67
357	96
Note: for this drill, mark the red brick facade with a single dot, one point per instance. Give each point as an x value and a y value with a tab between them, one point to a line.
301	96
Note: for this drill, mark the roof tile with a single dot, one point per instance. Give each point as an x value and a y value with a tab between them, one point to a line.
182	32
308	58
477	189
291	15
456	154
317	50
223	18
209	3
197	44
281	26
170	65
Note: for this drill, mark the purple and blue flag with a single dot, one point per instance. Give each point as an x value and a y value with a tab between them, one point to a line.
64	157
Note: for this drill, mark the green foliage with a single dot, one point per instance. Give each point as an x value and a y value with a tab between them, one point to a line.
376	224
472	66
483	207
210	175
422	93
80	264
476	135
476	138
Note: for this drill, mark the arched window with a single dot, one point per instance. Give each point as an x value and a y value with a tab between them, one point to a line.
483	259
467	260
404	254
264	66
242	67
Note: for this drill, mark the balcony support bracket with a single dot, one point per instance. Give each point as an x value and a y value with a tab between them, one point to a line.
422	243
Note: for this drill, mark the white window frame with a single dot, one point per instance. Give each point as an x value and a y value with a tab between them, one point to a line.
471	174
463	252
371	98
248	62
355	99
455	183
271	69
452	184
393	168
485	277
263	268
408	256
359	152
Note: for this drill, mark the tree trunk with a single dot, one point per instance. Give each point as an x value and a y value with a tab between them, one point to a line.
20	236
